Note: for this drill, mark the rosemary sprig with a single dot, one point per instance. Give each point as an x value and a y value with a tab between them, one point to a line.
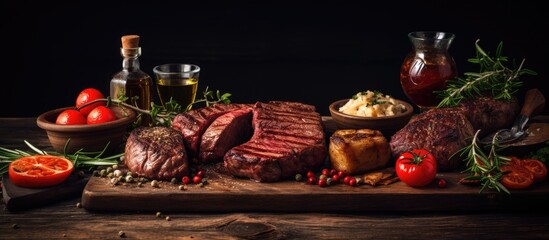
494	78
80	159
482	167
209	98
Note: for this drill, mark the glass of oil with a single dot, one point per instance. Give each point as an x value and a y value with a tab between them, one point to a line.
178	82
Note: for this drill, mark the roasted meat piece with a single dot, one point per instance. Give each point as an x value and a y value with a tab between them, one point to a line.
442	131
288	139
156	153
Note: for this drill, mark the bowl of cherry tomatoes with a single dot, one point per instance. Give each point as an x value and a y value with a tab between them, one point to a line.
89	127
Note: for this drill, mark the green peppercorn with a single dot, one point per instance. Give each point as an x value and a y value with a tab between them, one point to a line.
103	173
109	169
155	184
174	180
298	177
129	173
129	178
115	166
322	176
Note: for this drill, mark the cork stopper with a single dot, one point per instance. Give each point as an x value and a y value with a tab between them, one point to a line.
130	41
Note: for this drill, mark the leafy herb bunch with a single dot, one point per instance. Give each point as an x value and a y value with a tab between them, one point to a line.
493	78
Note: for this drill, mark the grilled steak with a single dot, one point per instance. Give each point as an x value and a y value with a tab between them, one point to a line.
441	131
225	132
288	139
488	114
156	153
192	124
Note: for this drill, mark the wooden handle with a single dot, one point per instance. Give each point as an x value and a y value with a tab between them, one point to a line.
534	102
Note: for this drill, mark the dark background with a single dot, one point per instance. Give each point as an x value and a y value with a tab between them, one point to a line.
310	51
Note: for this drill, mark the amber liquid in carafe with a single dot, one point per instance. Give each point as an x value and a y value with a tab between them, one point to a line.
422	75
133	85
131	82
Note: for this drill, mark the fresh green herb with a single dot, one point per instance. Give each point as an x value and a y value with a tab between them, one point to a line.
494	78
209	98
541	154
80	159
482	167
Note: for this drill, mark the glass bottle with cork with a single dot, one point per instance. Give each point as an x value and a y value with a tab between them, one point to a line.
131	81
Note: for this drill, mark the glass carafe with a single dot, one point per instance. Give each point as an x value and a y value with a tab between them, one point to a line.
427	67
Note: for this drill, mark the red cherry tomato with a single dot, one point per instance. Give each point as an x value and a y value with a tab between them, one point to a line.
100	114
39	171
70	117
87	95
416	168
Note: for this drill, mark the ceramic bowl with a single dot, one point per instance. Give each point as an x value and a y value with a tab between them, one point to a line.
89	138
388	125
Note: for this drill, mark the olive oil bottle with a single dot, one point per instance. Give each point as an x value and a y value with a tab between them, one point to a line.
131	81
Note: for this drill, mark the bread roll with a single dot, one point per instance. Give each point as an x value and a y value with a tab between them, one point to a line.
357	151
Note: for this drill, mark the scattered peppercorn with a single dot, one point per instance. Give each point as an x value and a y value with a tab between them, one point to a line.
81	174
117	173
15	226
168	218
183	187
174	180
121	234
185	180
442	183
197	179
158	214
79	205
298	177
155	184
129	178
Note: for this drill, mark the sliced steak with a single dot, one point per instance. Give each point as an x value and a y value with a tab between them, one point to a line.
441	131
288	139
156	153
490	115
225	132
192	124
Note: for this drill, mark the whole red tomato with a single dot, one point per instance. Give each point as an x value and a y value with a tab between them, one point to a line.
87	95
100	114
70	117
416	168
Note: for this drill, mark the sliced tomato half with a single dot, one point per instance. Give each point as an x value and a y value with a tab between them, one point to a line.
40	171
537	167
517	178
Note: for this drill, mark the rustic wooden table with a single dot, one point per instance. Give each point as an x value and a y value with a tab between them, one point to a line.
65	220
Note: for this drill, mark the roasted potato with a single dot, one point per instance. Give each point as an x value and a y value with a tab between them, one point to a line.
358	151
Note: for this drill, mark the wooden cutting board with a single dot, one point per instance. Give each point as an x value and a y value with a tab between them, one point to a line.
224	193
21	198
